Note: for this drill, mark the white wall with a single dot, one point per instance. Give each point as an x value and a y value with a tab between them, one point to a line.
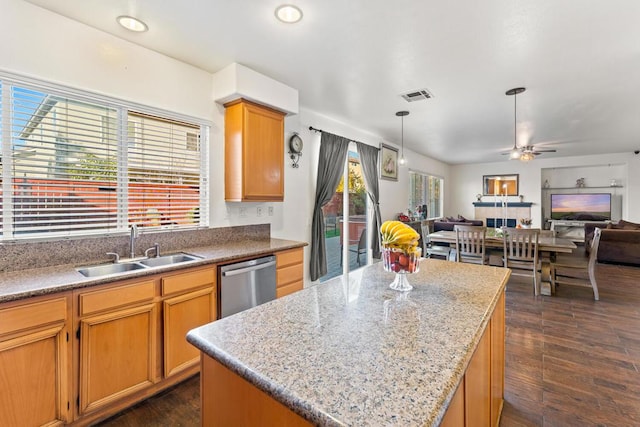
42	44
467	181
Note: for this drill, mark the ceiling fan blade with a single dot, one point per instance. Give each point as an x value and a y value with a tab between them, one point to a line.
535	150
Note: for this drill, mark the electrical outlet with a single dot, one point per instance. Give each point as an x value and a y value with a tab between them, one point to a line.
243	212
270	210
259	211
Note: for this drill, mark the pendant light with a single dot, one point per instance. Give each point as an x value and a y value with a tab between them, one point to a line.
515	152
401	114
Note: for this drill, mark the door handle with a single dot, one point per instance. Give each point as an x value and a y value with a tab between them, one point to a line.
248	269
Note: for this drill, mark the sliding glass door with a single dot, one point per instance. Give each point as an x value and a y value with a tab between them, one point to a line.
347	221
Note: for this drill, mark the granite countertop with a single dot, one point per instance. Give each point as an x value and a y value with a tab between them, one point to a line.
47	280
354	352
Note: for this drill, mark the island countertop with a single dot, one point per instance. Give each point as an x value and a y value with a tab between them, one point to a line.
354	352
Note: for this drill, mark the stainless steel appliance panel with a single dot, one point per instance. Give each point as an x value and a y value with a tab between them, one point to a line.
246	284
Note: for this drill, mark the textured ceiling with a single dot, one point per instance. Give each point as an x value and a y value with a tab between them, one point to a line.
350	60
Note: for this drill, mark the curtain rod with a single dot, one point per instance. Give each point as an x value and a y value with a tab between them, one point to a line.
311	128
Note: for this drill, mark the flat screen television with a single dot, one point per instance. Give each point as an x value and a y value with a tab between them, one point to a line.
581	207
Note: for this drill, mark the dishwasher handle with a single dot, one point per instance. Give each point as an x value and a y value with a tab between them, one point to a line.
248	269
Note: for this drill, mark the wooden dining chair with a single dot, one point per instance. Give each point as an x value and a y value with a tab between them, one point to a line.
574	271
470	244
521	253
433	251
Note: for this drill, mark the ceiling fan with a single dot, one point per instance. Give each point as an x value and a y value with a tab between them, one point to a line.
525	152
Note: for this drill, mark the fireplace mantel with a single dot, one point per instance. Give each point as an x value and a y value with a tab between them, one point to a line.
499	204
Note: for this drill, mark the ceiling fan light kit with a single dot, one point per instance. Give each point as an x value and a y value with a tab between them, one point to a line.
526	152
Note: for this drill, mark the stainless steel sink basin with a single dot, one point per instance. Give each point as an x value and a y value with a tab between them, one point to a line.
168	260
123	267
106	269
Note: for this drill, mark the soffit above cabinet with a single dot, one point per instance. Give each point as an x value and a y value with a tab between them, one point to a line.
237	81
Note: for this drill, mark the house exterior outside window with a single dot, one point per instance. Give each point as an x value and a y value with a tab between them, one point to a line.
73	165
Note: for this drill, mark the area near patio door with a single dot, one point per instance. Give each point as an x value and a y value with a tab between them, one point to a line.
334	215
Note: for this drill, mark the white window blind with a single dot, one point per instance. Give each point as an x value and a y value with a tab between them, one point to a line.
73	166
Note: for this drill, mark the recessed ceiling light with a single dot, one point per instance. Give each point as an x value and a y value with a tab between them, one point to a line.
288	13
132	24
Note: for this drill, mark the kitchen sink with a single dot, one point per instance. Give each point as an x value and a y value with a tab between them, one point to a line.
168	260
106	269
124	267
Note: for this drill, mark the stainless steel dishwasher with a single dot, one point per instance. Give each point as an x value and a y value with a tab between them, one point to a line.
246	284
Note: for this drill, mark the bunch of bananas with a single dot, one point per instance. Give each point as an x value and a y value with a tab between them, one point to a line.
398	235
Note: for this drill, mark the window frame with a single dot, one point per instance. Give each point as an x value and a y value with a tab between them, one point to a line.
123	108
439	199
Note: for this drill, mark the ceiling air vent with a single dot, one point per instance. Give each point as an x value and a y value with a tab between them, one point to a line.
417	95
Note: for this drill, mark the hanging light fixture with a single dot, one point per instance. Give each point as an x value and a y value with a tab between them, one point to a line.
401	114
515	151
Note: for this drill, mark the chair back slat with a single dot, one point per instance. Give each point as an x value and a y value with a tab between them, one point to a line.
470	243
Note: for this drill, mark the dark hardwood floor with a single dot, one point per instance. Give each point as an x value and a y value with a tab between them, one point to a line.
570	360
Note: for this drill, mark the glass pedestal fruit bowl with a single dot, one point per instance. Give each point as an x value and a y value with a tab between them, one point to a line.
401	262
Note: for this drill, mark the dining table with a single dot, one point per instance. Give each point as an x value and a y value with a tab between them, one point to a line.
548	246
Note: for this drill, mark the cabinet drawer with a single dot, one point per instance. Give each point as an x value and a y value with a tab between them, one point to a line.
187	281
27	316
137	293
289	274
288	289
293	256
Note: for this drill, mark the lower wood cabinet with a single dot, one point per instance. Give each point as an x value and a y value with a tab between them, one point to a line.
131	337
479	398
117	354
34	362
289	271
182	311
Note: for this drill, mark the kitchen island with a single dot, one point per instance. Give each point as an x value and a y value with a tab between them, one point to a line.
354	352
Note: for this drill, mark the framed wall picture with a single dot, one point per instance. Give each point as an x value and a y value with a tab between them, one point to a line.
388	162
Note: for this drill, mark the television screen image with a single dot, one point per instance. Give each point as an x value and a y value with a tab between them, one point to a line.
581	207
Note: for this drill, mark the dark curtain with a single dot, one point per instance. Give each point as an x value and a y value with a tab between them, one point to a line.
369	163
333	153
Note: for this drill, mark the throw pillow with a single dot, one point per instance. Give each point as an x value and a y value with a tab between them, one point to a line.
461	218
450	219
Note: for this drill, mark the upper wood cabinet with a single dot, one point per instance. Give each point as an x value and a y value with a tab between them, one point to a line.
254	152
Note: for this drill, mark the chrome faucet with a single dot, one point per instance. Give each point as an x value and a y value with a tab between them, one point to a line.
156	250
132	240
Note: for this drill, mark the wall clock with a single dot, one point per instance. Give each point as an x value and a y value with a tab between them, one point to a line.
295	149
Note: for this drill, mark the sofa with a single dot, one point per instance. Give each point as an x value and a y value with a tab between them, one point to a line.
619	243
447	224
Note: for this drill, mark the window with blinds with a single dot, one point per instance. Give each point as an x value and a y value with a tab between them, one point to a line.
426	190
74	166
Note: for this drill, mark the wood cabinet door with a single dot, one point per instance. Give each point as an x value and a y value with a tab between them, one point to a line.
477	387
33	374
34	371
263	154
117	355
181	314
254	152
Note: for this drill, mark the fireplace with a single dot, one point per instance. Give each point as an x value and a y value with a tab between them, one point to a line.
497	222
493	213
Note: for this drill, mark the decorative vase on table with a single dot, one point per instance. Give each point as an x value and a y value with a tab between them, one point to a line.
400	252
